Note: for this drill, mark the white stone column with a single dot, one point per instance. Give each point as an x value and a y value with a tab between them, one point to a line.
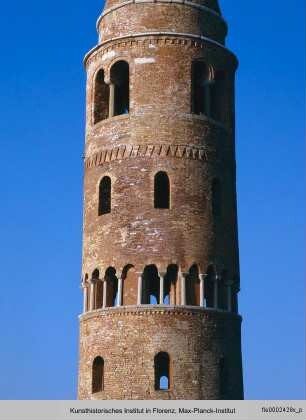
92	295
161	289
202	289
111	99
229	297
139	294
183	289
216	282
119	300
104	293
85	297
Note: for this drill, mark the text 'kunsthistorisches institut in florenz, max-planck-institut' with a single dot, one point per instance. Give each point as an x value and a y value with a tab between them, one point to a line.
160	271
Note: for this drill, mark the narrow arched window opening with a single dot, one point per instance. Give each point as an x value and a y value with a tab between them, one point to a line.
112	287
151	285
98	375
161	191
200	88
119	76
101	98
105	195
162	371
216	200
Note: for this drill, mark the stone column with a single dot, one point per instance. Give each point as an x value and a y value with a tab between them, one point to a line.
202	289
161	288
139	294
119	300
85	297
216	282
104	293
183	289
111	100
229	297
92	295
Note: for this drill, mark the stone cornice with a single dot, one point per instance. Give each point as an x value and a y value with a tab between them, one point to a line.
187	3
157	310
148	151
176	38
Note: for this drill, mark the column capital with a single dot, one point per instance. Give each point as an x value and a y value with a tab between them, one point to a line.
203	276
162	273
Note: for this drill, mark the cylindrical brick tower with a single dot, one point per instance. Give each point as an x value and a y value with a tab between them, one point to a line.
160	272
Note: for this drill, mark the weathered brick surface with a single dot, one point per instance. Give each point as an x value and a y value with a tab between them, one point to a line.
128	339
160	133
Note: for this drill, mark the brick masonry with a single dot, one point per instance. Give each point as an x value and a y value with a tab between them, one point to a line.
160	40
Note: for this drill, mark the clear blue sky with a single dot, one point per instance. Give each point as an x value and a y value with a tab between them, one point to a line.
42	136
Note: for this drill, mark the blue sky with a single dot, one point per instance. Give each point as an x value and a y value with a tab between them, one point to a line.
42	136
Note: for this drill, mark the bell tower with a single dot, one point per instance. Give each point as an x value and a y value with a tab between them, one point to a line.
160	273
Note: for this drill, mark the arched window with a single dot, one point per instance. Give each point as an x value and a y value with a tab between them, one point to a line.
98	375
193	287
105	189
200	88
101	98
162	371
161	191
119	75
216	201
112	287
151	285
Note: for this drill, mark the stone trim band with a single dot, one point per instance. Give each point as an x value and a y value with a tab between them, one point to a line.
195	38
150	150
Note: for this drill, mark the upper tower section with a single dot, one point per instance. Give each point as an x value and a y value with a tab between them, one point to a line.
193	17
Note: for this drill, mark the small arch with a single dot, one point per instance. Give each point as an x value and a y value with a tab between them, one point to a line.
200	88
101	97
119	76
209	287
193	286
112	287
216	198
162	371
161	191
98	375
172	290
98	284
129	285
151	285
105	196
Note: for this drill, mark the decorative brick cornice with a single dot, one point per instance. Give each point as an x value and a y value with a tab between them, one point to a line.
160	38
150	150
161	310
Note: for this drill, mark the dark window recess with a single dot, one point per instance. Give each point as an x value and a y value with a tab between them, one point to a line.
200	88
98	375
162	371
161	191
101	98
105	195
119	75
